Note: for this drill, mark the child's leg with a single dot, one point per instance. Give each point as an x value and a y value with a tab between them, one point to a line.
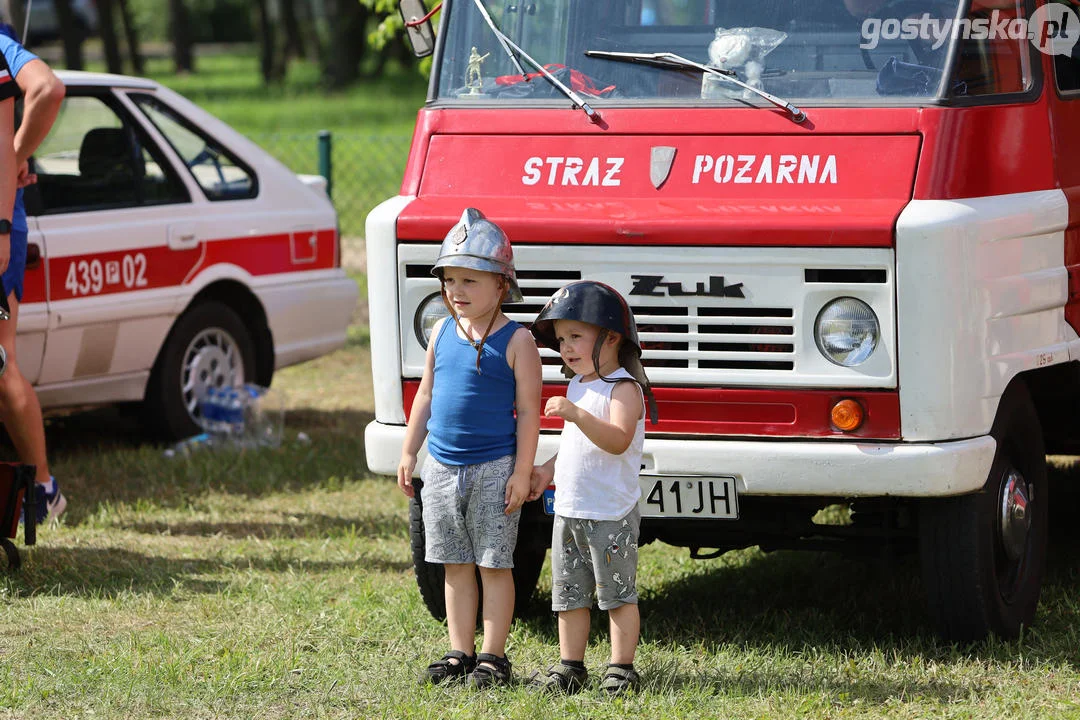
573	634
625	630
498	608
494	535
461	601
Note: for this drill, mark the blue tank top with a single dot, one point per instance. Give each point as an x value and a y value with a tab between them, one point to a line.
472	415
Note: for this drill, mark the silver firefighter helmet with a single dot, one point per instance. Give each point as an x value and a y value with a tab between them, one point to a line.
479	244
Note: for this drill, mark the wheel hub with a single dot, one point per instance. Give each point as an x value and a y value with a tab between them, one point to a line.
212	360
1015	515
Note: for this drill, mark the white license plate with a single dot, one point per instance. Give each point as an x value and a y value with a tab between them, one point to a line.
670	496
688	497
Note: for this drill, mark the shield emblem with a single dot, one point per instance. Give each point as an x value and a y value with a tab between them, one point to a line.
663	157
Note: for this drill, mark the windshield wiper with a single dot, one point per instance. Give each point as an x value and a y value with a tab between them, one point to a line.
671	61
507	44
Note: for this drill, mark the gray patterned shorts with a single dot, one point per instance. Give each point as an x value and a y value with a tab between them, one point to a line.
465	518
594	554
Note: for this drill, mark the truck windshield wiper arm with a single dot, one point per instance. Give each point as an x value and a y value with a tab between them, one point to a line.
671	61
511	48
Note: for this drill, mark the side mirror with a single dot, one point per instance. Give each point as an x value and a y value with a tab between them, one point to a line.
418	26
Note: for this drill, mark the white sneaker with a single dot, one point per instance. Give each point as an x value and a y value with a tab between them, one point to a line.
50	505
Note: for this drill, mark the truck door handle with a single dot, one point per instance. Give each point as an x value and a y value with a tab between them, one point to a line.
33	256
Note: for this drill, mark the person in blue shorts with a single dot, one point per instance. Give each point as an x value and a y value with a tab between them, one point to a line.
42	92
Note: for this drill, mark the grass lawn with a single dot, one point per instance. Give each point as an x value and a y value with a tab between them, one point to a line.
278	584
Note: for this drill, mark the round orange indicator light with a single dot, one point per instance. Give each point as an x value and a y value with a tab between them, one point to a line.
847	415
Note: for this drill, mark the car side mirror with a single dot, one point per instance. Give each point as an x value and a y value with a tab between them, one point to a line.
418	26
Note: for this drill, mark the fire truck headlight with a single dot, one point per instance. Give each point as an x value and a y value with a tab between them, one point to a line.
847	331
431	311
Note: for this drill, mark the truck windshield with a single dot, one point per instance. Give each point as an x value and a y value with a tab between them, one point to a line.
818	52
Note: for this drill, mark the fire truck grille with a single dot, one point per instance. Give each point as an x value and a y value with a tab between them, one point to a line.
687	333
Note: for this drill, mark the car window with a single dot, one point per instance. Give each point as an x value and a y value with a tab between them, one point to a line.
220	174
94	158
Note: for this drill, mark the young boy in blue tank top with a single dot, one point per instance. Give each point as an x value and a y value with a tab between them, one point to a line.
595	535
480	368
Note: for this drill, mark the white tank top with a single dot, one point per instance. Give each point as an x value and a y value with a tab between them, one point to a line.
590	483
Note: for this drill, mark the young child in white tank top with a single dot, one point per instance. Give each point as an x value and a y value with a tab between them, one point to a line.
595	534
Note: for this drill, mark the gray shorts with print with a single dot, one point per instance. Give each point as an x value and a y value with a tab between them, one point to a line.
594	554
464	513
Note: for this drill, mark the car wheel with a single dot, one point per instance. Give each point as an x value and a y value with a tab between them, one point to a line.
983	555
207	347
528	561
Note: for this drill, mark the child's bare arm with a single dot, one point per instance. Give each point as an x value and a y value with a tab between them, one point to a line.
542	476
419	415
614	436
524	359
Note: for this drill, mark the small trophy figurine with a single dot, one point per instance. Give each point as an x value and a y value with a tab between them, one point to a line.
474	83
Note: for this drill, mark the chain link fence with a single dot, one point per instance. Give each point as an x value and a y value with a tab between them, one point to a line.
363	169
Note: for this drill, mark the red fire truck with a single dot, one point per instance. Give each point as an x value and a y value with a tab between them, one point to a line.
848	230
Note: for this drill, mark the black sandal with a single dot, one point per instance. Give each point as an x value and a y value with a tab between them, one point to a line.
490	670
445	668
619	680
560	678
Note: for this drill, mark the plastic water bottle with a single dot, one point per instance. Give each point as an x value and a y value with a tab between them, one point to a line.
209	411
214	411
234	415
189	445
254	421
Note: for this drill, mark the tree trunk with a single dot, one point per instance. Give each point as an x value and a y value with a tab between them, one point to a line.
107	28
16	11
294	40
70	34
131	37
313	31
347	41
270	65
180	28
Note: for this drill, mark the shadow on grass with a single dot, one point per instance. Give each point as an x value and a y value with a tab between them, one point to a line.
113	572
814	603
104	456
299	526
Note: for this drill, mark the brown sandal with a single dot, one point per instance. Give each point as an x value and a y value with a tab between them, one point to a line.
445	668
491	670
560	678
618	680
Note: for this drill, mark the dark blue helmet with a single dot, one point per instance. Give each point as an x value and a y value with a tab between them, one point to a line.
598	304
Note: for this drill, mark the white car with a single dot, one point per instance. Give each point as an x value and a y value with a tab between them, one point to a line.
167	254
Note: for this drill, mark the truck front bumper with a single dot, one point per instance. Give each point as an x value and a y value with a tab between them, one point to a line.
769	467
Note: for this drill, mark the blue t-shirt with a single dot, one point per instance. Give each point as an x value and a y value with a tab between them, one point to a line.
17	56
472	415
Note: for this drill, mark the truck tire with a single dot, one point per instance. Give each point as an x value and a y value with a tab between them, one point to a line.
528	562
983	554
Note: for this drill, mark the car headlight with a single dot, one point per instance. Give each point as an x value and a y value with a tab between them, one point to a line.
431	311
847	331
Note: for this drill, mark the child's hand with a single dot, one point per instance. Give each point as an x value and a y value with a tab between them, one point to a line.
561	407
517	489
404	474
542	475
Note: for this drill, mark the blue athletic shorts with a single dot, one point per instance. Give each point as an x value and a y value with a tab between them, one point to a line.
16	269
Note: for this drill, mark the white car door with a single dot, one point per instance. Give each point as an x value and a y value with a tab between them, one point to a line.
116	219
